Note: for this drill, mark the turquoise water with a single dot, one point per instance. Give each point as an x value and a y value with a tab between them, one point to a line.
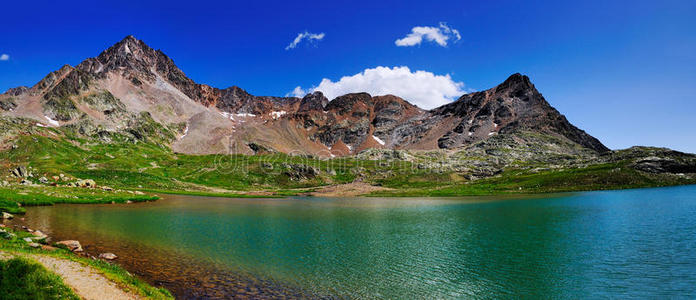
632	243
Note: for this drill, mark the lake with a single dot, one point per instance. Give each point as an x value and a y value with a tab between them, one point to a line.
608	244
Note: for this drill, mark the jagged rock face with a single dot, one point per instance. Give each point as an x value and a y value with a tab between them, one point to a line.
313	102
512	106
114	89
355	118
7	103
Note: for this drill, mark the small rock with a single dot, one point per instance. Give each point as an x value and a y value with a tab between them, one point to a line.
6	215
20	172
129	202
106	188
43	180
25	182
38	233
86	183
139	193
72	245
108	256
28	240
34	245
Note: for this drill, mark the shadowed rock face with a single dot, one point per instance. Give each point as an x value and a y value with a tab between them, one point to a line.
354	121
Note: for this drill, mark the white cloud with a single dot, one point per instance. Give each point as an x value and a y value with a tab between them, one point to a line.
421	88
4	57
439	35
305	35
297	92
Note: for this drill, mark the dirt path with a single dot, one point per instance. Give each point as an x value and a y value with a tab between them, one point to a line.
347	190
85	281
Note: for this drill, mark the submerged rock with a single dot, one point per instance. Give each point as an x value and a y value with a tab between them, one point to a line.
108	256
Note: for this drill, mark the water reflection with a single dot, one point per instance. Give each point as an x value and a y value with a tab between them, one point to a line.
608	244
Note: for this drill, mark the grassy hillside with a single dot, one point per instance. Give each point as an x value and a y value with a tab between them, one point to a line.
491	167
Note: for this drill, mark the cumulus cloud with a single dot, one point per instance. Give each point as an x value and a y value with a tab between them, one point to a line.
422	88
439	35
4	57
310	37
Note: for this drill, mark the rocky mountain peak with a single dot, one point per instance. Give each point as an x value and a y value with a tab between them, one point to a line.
128	55
512	106
313	101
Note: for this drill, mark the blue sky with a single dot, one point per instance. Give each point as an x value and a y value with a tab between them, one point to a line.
624	71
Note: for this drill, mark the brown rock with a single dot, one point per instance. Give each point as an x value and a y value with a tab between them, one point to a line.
72	245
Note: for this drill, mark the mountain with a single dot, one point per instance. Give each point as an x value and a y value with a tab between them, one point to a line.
134	90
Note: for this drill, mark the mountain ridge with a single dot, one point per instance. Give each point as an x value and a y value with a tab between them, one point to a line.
130	81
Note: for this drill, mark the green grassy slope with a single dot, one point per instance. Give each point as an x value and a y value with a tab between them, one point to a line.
126	165
21	278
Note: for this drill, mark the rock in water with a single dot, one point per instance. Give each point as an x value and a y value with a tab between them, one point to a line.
72	245
108	256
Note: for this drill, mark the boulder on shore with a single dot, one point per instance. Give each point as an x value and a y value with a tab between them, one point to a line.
72	245
108	256
6	215
20	172
86	183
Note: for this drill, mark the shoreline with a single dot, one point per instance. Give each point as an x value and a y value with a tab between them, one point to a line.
88	276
